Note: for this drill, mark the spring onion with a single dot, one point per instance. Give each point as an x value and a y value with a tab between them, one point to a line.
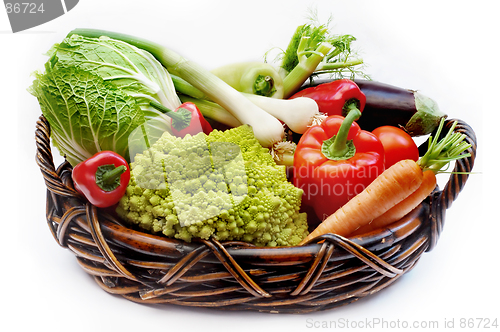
298	113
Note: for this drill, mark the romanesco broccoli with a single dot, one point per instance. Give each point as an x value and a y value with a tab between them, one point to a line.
224	185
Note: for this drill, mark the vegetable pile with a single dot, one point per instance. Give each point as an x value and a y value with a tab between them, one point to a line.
273	154
397	191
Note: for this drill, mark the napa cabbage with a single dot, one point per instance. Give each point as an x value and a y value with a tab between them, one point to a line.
96	92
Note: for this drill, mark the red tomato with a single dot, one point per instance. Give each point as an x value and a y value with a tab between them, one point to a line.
398	144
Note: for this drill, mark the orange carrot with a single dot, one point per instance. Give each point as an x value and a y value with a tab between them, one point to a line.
404	207
388	189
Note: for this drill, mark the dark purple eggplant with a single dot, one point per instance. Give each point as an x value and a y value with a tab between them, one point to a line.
390	105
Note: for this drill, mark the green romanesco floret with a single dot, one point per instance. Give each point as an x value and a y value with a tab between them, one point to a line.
223	185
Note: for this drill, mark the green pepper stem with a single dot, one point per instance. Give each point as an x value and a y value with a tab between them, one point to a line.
340	148
167	111
180	119
110	176
264	85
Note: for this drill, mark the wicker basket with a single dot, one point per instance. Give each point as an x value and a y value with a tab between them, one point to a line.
233	275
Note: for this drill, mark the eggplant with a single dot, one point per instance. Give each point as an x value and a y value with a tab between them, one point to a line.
390	105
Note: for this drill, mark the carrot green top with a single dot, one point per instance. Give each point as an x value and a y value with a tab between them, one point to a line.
441	152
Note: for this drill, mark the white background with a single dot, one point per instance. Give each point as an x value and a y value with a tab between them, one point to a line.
445	49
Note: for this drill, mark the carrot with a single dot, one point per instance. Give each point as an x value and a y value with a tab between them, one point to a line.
402	208
388	189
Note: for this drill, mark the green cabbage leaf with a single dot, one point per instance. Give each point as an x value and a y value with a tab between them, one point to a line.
96	92
85	113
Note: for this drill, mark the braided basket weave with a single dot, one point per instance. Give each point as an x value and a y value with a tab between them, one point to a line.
234	275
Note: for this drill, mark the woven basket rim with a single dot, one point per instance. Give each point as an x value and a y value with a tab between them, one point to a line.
124	260
375	240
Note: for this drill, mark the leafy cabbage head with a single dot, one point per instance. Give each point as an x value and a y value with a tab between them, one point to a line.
95	92
85	113
129	68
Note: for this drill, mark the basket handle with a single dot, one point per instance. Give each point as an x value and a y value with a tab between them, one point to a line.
44	160
440	201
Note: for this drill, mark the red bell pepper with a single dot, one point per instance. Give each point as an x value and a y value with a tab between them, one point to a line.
186	119
334	98
102	179
334	161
